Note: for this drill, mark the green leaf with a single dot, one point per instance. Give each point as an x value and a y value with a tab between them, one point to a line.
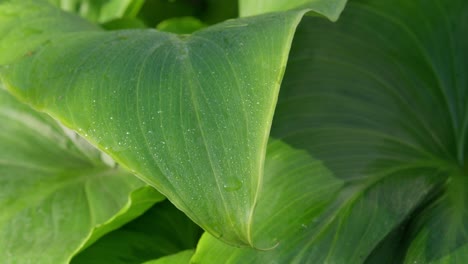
331	8
313	215
101	11
124	23
162	230
181	25
56	193
378	101
154	12
216	11
384	90
179	258
188	114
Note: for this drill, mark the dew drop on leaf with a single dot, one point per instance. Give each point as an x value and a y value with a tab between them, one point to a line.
232	185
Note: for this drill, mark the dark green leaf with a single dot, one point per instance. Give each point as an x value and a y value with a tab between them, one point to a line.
179	258
307	211
163	230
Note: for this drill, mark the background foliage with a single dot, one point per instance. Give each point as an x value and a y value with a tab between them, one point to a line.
288	136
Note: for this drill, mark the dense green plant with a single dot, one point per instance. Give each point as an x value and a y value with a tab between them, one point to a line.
360	157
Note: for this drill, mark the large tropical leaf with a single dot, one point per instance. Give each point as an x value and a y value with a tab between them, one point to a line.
188	114
56	194
163	230
381	99
312	216
400	102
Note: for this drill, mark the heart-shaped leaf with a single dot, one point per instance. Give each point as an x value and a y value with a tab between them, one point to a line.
188	114
57	196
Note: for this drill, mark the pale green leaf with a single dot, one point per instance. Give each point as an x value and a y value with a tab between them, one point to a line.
101	11
57	195
181	25
328	8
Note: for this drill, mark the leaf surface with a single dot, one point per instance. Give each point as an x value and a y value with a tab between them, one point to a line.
381	92
312	215
56	195
189	115
377	100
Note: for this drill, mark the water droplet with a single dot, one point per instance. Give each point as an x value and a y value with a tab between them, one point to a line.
159	112
111	118
128	133
232	185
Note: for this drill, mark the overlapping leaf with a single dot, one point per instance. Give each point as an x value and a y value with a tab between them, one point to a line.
56	195
381	99
189	115
163	230
179	258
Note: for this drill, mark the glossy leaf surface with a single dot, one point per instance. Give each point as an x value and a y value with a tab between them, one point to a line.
56	193
188	114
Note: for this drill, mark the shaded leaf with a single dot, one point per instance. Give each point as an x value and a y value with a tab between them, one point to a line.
179	258
154	12
55	198
162	230
124	23
315	217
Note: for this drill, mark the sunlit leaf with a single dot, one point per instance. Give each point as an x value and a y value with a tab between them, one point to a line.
101	11
188	114
181	25
55	195
330	8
